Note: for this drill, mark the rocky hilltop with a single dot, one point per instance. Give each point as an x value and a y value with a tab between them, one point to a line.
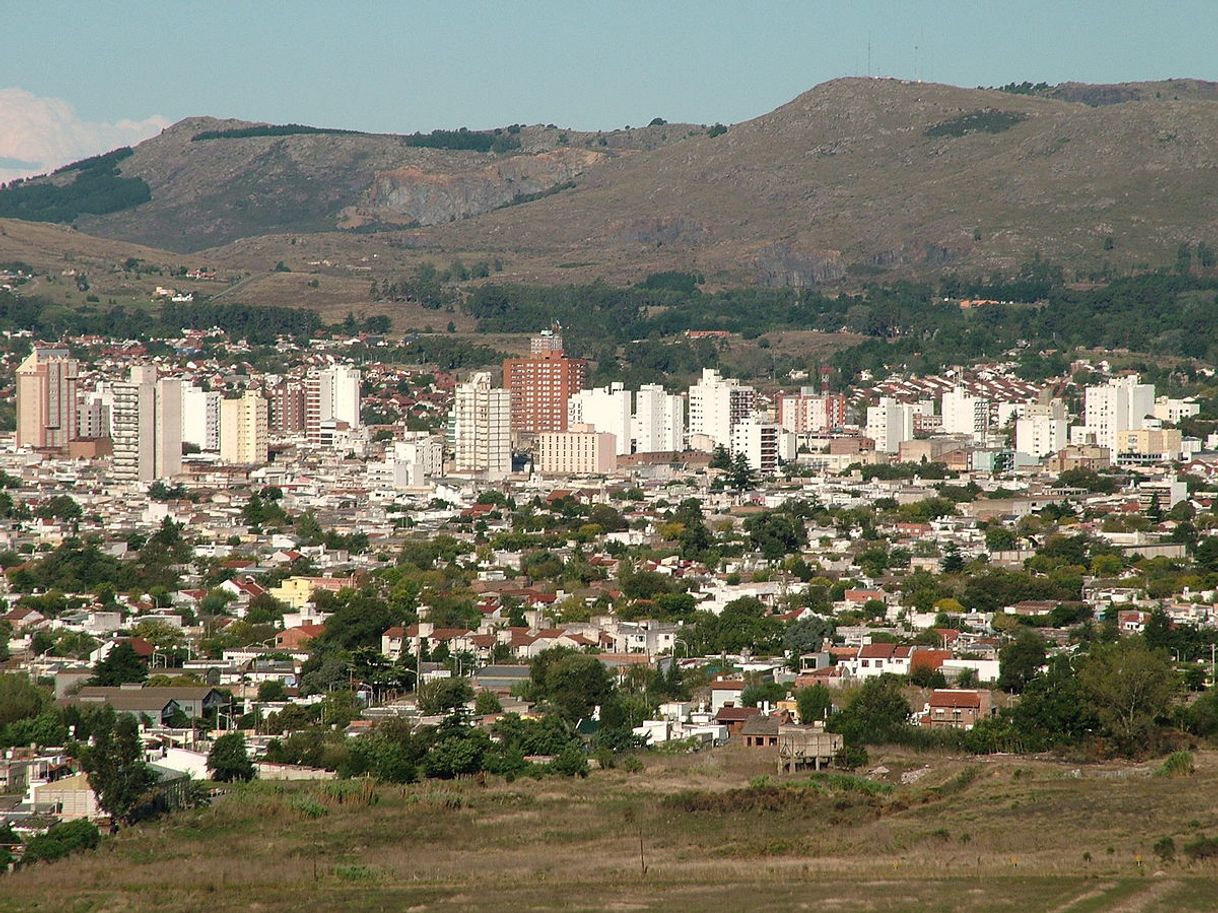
853	179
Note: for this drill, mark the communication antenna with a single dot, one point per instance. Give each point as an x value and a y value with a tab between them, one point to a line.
869	53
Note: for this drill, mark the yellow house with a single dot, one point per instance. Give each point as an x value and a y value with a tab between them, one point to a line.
296	592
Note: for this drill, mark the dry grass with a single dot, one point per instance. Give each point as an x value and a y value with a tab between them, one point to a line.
990	834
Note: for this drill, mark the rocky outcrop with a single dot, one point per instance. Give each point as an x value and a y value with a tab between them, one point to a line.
419	196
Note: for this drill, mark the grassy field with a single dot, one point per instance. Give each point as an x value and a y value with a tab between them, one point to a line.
689	832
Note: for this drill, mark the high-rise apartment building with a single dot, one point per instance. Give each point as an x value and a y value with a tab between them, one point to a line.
93	412
546	341
606	409
540	386
201	418
808	411
1122	404
331	395
1041	428
716	405
146	426
482	431
889	423
761	443
658	424
287	407
964	413
244	428
46	399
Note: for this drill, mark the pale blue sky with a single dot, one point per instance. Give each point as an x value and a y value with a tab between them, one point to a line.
419	65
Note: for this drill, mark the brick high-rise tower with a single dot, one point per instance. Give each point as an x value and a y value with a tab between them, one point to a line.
540	385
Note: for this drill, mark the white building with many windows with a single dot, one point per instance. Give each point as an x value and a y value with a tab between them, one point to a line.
716	405
607	409
658	425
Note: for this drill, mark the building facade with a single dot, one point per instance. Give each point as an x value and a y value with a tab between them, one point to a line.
580	450
607	409
658	423
244	429
46	399
716	405
481	427
146	426
540	386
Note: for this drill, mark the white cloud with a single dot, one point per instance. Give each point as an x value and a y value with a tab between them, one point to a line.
39	134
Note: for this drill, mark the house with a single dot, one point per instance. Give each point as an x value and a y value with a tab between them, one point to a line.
297	638
761	729
157	703
734	718
726	692
500	679
74	799
955	708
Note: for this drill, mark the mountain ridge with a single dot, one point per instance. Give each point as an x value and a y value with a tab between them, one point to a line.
855	177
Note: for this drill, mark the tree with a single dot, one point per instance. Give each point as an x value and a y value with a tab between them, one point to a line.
1000	539
20	698
776	534
574	683
1020	660
741	476
875	714
763	692
952	562
120	666
61	840
228	759
115	765
486	703
815	703
806	635
720	458
444	695
1128	687
271	690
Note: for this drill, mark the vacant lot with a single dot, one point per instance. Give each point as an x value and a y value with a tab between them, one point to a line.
691	832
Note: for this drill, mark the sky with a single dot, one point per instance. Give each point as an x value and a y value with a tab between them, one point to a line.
78	78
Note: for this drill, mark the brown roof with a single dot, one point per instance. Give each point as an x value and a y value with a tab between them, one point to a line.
735	714
956	698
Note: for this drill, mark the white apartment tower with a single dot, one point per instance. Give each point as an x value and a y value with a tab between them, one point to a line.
1041	428
658	425
964	413
146	426
716	405
331	395
201	418
889	423
606	409
1122	404
244	429
482	427
763	444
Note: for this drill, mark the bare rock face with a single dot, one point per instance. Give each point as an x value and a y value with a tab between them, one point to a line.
419	196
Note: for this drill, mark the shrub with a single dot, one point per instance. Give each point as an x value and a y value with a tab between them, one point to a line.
1165	849
851	757
1202	848
61	840
632	765
1178	764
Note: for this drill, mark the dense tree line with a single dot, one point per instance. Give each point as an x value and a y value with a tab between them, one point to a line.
97	188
